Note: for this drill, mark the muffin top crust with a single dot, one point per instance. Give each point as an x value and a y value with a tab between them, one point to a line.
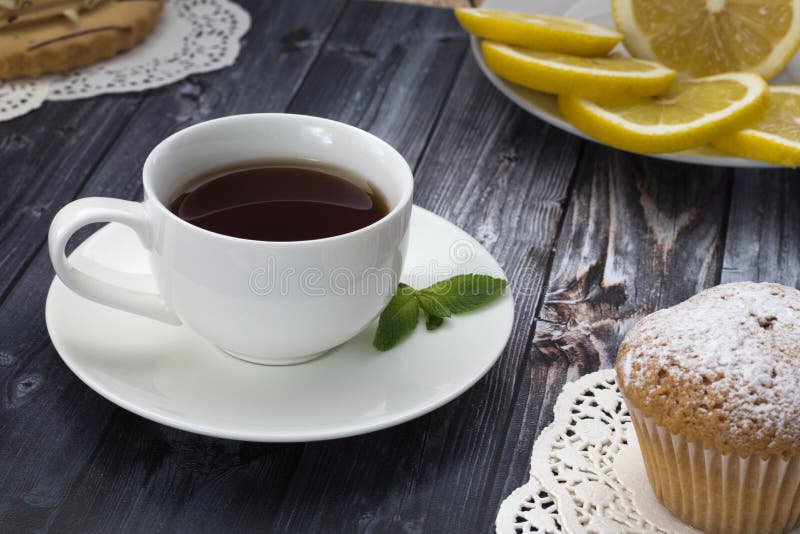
722	368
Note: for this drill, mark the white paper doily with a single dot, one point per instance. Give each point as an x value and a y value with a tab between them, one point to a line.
587	473
18	97
192	36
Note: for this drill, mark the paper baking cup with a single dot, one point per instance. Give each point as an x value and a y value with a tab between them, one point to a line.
719	493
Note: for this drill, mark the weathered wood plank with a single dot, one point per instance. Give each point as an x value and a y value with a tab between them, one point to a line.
145	477
111	469
50	422
503	176
640	234
47	156
763	240
386	69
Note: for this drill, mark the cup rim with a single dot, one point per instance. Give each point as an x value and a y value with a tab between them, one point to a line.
405	199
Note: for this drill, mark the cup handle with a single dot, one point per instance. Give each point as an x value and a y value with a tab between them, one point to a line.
85	211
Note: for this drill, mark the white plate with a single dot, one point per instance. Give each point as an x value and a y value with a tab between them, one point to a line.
544	105
172	376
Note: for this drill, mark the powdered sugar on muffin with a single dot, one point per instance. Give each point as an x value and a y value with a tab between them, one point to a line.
722	368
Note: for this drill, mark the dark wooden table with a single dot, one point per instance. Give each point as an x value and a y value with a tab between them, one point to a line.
591	238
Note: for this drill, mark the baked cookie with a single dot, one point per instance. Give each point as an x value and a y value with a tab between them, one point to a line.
16	12
72	37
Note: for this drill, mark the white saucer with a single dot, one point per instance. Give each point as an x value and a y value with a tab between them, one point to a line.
172	376
545	106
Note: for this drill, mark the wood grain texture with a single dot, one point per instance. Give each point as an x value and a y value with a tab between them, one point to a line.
39	178
640	234
763	243
387	68
50	422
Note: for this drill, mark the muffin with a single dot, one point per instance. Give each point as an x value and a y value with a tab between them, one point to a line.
713	389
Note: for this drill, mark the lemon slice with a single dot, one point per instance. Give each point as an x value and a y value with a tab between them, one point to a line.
550	72
703	37
776	137
691	114
542	32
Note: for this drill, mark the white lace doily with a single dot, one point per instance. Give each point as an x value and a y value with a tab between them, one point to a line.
192	36
587	473
18	97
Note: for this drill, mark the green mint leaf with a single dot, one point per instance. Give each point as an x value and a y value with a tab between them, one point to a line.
398	319
465	292
432	306
435	311
455	295
433	322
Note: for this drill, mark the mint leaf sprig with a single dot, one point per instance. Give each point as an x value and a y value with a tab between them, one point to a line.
459	294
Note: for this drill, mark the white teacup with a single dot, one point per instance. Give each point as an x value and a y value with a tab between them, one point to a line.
263	301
